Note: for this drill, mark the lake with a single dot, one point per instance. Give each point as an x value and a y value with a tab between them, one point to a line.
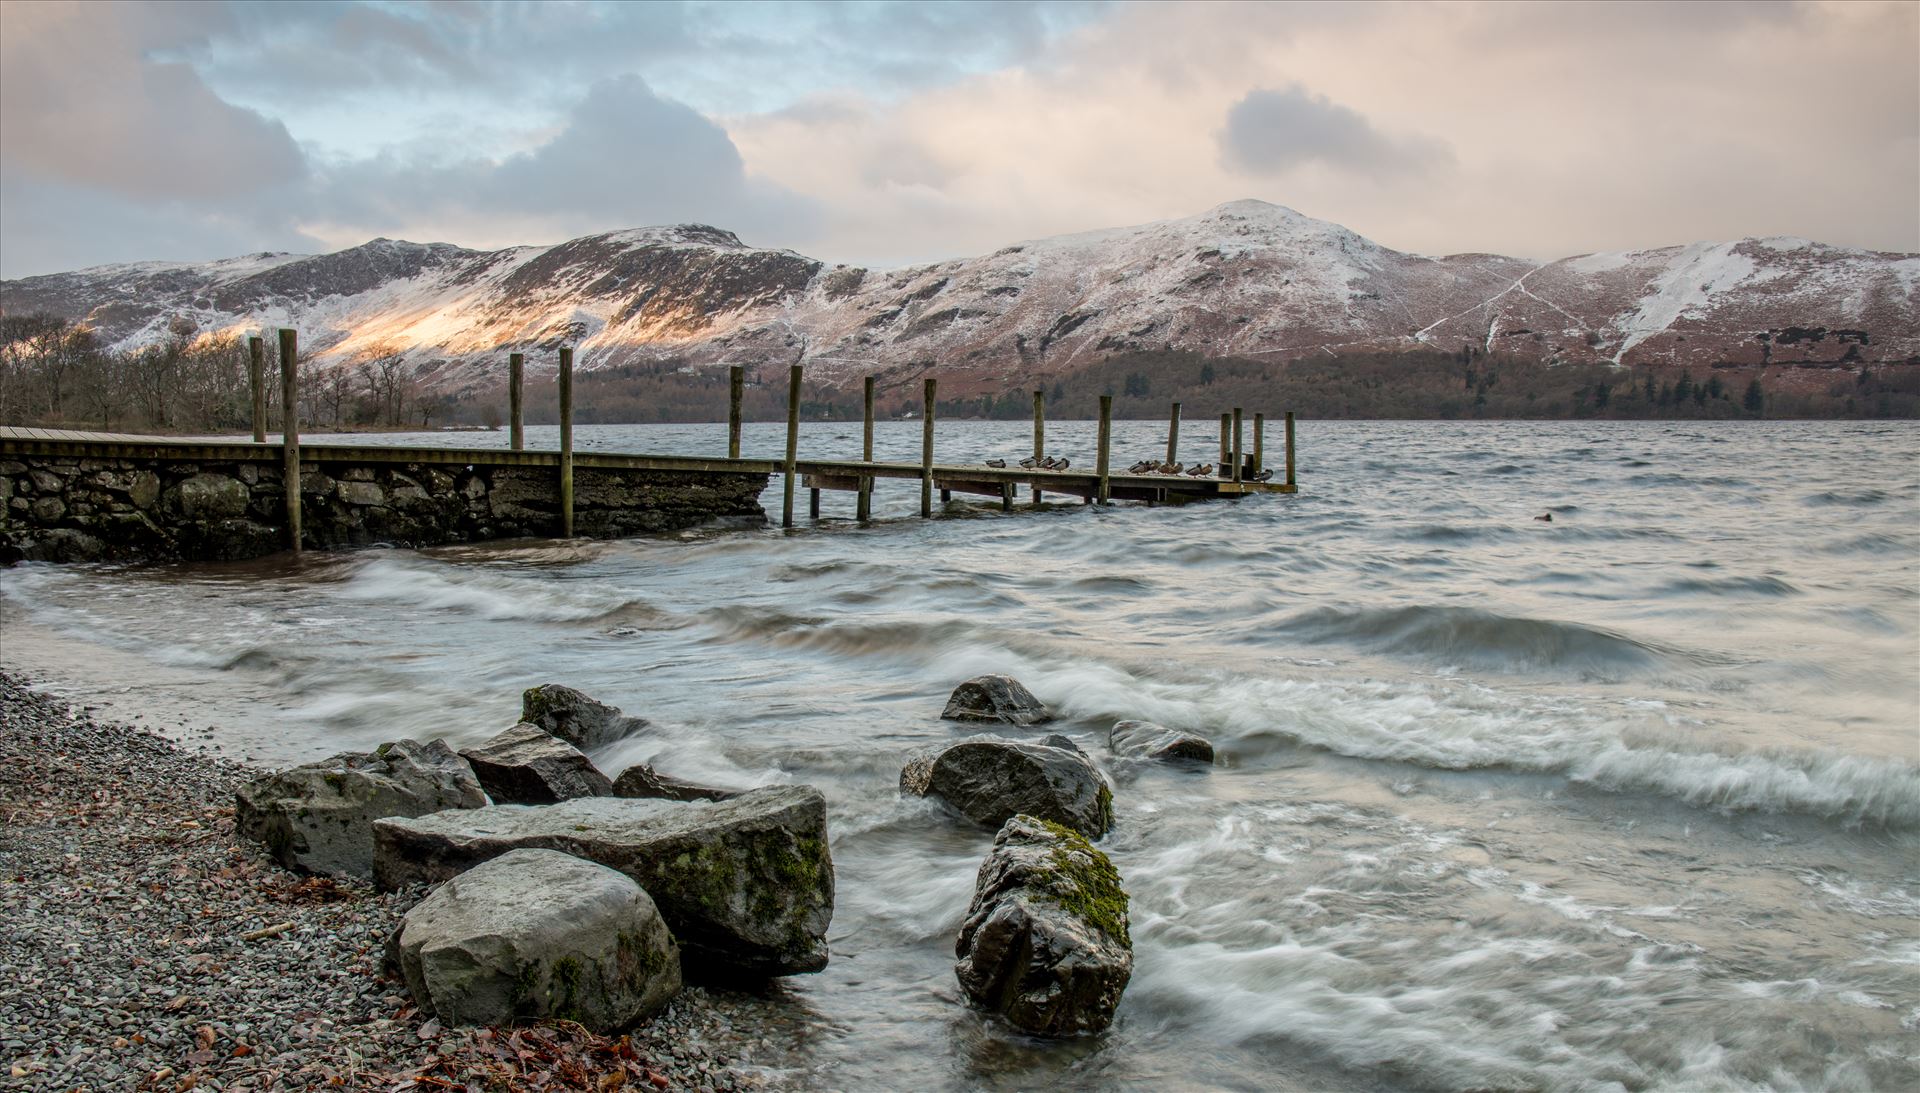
1627	799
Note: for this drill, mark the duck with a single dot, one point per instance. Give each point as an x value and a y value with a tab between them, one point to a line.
1063	464
1030	462
1545	517
1263	475
1171	468
1200	469
996	462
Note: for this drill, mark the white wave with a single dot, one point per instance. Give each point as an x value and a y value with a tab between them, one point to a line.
481	593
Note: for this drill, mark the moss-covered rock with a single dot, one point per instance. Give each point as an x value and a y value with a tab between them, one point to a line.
1045	943
746	884
538	933
584	722
526	766
989	779
995	698
319	817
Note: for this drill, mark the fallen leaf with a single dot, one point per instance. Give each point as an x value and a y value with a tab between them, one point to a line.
240	1050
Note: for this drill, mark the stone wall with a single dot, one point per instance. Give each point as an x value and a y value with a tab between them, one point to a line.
77	509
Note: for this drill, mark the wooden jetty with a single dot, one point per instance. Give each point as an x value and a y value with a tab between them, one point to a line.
1239	472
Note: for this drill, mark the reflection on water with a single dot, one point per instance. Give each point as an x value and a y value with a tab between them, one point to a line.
1629	799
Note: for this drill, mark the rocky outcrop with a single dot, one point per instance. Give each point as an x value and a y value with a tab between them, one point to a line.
989	779
538	933
746	884
1045	942
581	721
319	817
641	780
526	766
995	698
1146	740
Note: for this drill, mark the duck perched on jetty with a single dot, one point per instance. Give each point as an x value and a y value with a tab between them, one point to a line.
996	462
1200	470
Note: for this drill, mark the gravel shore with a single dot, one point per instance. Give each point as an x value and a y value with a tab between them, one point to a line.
127	961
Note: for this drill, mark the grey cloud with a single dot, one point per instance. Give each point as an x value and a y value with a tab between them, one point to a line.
81	102
1271	132
626	157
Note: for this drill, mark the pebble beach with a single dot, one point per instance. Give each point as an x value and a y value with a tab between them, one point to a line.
147	948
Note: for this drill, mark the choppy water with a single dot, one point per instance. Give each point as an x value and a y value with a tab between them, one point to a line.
1626	800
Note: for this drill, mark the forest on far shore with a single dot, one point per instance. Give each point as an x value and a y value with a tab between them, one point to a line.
53	374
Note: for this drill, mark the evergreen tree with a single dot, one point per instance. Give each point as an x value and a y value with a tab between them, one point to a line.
1756	397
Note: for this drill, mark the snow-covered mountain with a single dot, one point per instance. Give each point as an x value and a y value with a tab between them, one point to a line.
1244	279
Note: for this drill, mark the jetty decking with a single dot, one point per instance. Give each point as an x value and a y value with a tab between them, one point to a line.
1239	472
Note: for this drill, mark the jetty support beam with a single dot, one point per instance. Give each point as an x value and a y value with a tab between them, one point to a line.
793	444
290	431
926	450
517	401
565	379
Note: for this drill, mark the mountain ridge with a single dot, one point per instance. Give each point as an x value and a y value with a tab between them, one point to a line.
1246	278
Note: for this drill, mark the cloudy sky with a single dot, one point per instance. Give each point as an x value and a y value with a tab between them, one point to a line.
885	133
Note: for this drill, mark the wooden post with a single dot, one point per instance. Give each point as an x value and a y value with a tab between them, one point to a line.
565	379
1006	497
736	390
290	431
1226	442
863	505
1236	444
813	504
926	451
1173	434
257	380
1259	433
1289	447
1106	439
517	401
793	444
1039	434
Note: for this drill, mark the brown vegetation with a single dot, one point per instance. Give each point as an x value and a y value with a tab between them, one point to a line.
54	373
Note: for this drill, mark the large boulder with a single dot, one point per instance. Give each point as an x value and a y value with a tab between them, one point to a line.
526	766
538	933
1146	740
746	884
641	780
995	698
319	817
990	779
1045	942
581	721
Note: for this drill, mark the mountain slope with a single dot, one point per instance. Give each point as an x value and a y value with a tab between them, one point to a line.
1244	279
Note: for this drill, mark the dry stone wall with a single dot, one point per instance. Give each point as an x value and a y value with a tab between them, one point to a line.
72	509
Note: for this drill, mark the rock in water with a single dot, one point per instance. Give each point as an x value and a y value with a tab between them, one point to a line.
641	780
526	766
575	718
995	698
989	779
1045	943
538	933
319	817
1146	740
746	884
